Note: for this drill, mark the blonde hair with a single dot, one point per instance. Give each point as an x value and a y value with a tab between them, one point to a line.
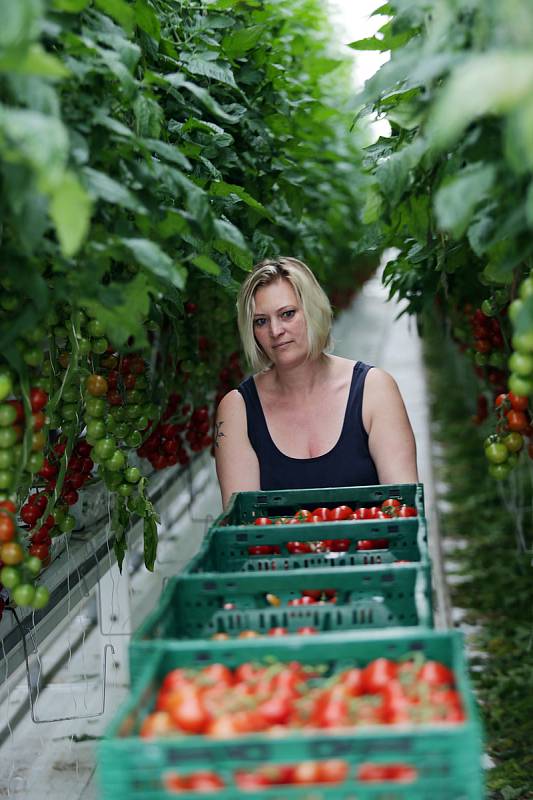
313	299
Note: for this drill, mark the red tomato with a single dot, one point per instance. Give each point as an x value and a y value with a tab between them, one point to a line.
364	513
322	512
263	521
38	399
518	403
260	550
159	723
391	502
372	772
372	544
174	783
8	505
217	674
352	681
407	511
175	679
435	674
299	547
516	420
187	710
302	515
333	770
339	513
204	782
315	518
377	674
402	773
277	709
278	631
306	630
7	527
306	772
340	545
250	781
40	550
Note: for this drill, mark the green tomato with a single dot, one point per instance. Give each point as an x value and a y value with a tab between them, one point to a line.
33	356
67	524
60	332
491	439
84	346
79	318
512	461
132	475
34	565
489	308
526	288
133	396
96	429
110	423
513	441
514	309
8	415
521	364
122	429
95	406
8	437
71	394
134	439
96	329
501	296
41	598
6	478
104	448
116	462
119	413
133	411
6	458
10	577
69	411
35	462
481	359
499	471
125	489
496	453
99	346
497	359
523	342
23	594
519	385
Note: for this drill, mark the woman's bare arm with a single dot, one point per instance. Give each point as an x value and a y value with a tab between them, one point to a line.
236	461
390	436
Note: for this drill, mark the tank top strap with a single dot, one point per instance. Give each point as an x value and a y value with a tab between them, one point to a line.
354	409
258	433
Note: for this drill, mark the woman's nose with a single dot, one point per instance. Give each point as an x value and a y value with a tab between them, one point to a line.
276	327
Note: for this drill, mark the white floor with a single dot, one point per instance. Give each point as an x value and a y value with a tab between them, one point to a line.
57	759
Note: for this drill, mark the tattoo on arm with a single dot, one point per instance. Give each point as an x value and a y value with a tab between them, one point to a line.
218	432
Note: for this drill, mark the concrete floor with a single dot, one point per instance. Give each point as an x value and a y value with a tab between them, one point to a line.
57	759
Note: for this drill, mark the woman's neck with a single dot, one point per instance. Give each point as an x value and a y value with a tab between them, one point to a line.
304	378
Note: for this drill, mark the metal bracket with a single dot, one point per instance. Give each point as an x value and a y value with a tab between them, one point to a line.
33	699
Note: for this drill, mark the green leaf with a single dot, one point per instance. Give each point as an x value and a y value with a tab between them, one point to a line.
394	173
20	24
120	11
37	140
150	256
147	19
490	83
148	116
106	188
169	152
458	197
237	44
177	80
126	316
72	6
70	209
231	241
210	69
206	264
371	43
223	189
34	61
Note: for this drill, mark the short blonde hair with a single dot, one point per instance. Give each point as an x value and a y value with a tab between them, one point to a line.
314	302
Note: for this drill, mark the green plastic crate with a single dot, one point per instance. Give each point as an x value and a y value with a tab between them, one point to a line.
192	607
226	549
245	507
447	757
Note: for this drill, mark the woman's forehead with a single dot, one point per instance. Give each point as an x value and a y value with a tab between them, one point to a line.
275	295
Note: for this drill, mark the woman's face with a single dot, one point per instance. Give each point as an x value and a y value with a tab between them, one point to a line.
279	324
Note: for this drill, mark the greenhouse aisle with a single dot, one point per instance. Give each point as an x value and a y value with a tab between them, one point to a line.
58	758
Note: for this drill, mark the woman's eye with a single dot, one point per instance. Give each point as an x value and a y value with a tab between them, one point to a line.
259	322
288	314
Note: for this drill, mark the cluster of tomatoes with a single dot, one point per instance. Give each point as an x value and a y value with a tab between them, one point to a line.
305	773
181	427
513	427
222	703
13	427
389	509
521	360
278	630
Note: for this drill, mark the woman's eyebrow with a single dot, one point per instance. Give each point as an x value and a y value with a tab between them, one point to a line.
282	308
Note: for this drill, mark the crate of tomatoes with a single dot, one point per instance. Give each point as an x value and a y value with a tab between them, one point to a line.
315	528
301	603
348	715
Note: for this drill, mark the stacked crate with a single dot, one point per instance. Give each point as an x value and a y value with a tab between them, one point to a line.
373	581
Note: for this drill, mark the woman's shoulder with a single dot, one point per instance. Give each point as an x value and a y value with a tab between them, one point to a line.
232	402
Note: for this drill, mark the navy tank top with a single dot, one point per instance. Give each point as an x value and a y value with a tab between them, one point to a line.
348	463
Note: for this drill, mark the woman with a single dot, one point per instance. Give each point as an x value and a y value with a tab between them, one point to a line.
306	419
